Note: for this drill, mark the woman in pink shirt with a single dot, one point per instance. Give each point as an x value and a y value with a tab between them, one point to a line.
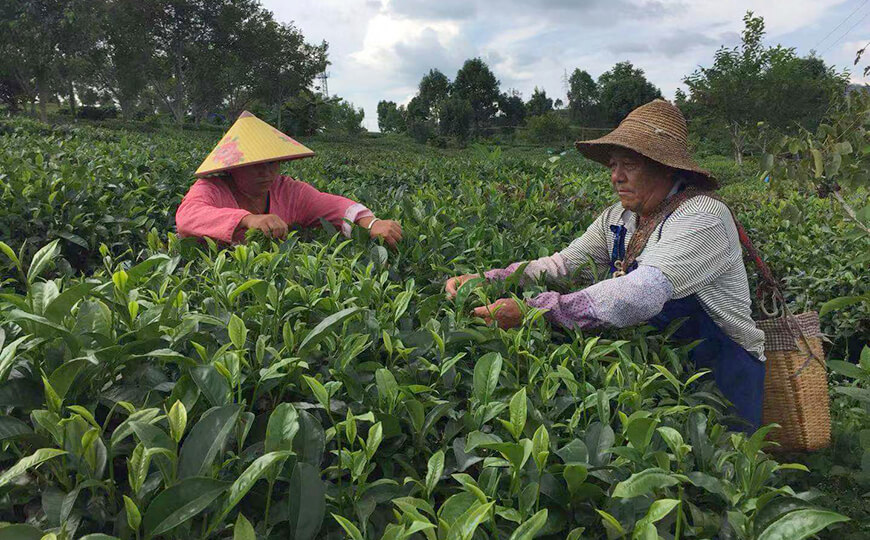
241	189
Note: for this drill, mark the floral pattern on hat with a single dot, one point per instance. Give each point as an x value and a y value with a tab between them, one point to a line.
228	152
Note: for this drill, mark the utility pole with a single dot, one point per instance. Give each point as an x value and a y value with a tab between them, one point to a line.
324	83
566	87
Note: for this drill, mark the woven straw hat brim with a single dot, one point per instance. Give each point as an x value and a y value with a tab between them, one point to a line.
657	131
600	149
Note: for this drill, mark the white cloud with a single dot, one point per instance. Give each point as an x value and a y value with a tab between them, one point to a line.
389	41
380	49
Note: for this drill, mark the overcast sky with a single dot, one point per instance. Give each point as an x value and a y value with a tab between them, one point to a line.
380	49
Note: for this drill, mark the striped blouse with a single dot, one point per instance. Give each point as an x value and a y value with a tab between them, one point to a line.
697	248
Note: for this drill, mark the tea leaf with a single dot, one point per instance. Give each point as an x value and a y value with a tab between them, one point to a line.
246	481
238	332
134	518
243	530
179	503
307	502
205	441
486	374
531	526
319	391
33	460
177	420
211	383
41	259
644	482
434	470
321	330
801	524
20	532
282	428
517	410
348	527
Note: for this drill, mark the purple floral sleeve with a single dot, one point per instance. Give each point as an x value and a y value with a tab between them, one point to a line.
624	301
501	274
574	310
552	266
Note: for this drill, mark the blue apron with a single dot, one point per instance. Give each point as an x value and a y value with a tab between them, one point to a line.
738	374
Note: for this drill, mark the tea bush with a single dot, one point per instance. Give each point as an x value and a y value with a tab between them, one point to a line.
152	387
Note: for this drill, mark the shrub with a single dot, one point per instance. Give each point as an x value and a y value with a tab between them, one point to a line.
547	128
88	112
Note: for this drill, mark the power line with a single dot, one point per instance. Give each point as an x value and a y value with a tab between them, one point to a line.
846	33
849	16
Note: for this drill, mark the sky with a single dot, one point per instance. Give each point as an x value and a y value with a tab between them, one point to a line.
379	49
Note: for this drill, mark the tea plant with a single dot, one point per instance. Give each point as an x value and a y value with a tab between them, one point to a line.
324	387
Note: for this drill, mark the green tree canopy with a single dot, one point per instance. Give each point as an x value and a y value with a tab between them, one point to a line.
477	84
188	57
512	109
455	116
433	89
390	119
583	97
754	83
539	103
622	89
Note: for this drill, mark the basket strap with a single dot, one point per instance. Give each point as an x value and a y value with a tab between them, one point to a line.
642	235
768	283
772	285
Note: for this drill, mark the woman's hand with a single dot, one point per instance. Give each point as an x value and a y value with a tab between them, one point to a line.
454	283
505	311
270	224
389	230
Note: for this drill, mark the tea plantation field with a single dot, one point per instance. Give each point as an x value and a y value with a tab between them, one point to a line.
324	387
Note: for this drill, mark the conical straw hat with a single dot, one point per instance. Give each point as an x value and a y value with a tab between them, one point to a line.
656	130
250	141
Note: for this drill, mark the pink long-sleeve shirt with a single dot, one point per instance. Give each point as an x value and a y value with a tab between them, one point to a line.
209	208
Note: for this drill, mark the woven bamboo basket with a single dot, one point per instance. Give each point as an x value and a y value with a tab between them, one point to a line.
796	383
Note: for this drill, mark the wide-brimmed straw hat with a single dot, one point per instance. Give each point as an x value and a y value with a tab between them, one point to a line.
656	130
250	141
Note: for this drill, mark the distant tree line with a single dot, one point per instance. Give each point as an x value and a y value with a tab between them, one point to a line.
472	104
206	60
189	59
751	94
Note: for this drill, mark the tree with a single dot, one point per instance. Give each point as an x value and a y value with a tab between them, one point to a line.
291	67
41	43
77	40
418	123
11	94
623	89
539	103
752	83
455	118
343	116
390	119
513	110
583	97
477	84
548	128
125	50
305	113
433	89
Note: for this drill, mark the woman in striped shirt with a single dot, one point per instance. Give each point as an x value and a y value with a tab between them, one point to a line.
690	264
